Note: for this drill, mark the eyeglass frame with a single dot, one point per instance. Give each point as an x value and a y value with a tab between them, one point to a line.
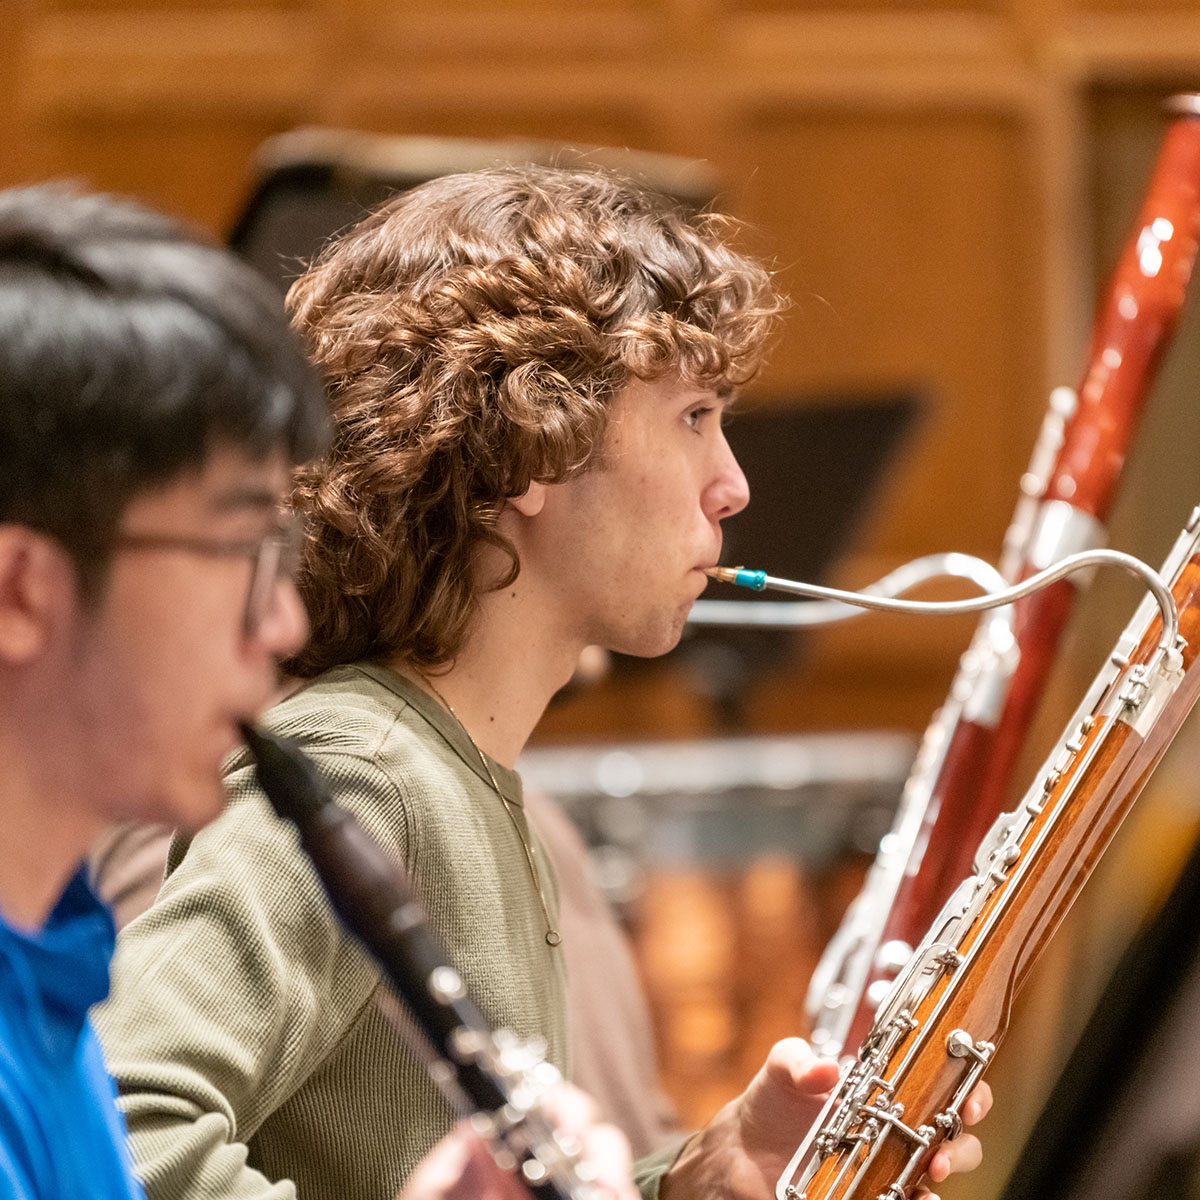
274	557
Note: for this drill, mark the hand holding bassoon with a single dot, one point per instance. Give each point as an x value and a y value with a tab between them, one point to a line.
741	1152
939	1027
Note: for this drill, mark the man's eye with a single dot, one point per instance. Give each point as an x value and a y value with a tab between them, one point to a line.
696	415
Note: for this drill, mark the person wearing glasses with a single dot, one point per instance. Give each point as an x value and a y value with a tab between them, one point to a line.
153	403
528	369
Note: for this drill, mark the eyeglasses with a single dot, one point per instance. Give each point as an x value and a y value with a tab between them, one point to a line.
274	557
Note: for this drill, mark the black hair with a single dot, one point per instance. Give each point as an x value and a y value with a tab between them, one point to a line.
130	347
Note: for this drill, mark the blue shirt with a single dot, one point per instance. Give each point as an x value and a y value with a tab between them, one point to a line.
60	1135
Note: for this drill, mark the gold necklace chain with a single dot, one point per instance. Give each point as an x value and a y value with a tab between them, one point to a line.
553	937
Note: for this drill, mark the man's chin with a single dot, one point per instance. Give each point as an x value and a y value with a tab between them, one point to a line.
654	643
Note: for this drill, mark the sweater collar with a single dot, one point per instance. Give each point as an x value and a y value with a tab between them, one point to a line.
447	726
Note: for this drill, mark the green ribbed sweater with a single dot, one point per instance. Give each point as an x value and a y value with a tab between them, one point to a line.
242	1028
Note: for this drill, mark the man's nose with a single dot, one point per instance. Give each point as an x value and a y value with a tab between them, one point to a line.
729	492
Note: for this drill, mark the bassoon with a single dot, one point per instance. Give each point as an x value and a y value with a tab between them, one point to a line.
938	1028
491	1075
964	767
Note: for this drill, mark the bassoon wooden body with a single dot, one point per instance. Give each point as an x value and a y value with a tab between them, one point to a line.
938	1028
964	769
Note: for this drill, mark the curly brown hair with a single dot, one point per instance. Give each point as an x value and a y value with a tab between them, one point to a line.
472	334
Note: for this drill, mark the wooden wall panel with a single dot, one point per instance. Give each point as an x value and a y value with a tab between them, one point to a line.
149	10
872	7
199	169
878	288
507	121
1146	10
117	65
16	136
1125	43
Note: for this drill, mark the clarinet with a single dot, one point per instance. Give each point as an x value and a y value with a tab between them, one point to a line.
964	767
939	1026
490	1074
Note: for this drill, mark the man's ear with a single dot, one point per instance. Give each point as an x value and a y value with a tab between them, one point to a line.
530	503
33	575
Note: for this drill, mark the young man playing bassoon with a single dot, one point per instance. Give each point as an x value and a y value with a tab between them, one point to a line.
528	369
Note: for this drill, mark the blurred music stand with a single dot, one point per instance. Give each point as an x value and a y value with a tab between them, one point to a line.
314	182
813	469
